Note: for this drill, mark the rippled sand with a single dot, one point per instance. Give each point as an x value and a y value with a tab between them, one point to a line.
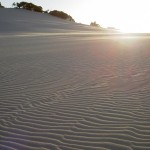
74	92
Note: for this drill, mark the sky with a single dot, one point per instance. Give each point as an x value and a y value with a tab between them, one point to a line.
126	15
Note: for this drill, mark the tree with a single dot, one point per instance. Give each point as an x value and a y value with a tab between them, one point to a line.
1	5
21	5
28	6
14	4
37	8
94	24
61	15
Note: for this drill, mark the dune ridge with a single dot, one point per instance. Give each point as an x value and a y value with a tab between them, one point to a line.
72	92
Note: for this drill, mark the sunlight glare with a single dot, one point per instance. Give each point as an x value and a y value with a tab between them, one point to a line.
126	15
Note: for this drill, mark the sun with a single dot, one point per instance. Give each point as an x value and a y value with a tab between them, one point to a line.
132	16
137	17
134	23
129	16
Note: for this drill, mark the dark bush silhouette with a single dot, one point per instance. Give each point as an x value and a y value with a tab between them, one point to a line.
33	7
28	6
61	15
1	5
94	24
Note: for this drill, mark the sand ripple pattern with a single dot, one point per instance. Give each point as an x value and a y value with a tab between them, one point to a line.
74	93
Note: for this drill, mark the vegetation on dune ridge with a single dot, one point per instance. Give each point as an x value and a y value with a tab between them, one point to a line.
1	5
55	13
61	15
33	7
28	6
94	24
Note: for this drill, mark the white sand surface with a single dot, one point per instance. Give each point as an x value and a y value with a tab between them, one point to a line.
71	91
19	20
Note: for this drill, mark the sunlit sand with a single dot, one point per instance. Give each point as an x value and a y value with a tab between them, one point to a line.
67	86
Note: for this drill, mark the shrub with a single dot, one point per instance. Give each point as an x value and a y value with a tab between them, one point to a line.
1	5
94	24
61	15
28	6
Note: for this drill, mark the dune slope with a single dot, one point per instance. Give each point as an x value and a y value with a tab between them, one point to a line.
20	20
72	92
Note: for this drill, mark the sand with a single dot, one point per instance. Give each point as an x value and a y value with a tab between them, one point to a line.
67	90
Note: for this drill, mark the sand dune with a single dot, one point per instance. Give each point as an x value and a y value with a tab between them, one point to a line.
19	20
72	92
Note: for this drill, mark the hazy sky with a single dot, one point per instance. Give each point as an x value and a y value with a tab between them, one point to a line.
127	15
